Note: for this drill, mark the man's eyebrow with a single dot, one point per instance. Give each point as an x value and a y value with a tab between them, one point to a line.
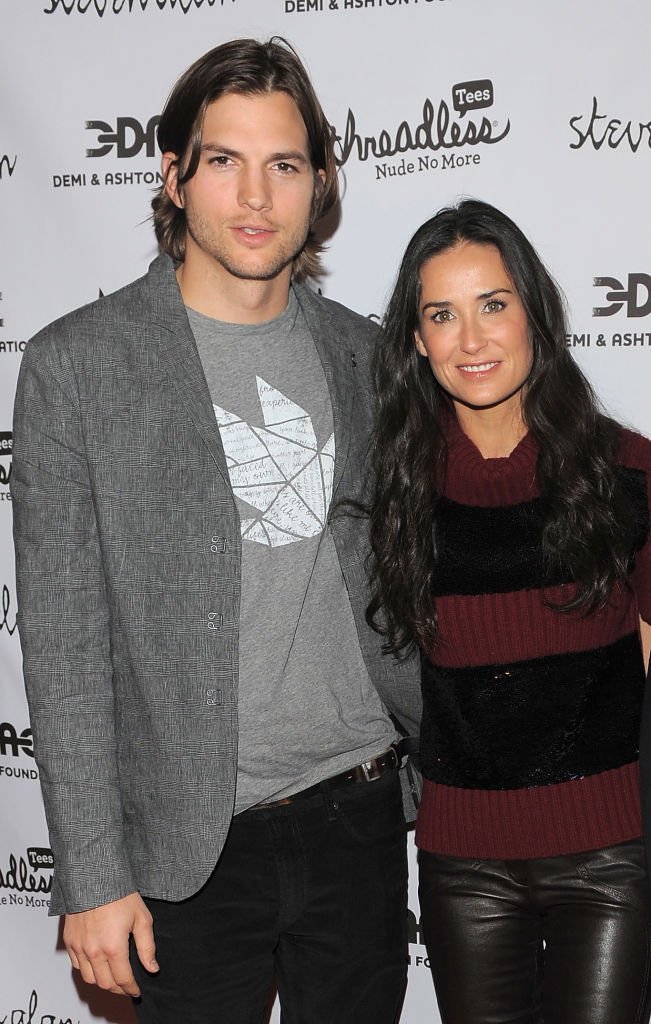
290	154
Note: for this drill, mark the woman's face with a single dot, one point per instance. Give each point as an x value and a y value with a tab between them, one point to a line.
473	329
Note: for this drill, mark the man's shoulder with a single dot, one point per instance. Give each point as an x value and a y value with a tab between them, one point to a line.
128	305
329	310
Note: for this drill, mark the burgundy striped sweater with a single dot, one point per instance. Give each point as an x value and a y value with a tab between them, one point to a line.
531	716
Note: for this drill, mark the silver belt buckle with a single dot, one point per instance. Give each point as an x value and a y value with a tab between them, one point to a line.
370	771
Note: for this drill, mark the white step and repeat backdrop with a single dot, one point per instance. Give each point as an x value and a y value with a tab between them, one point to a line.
543	108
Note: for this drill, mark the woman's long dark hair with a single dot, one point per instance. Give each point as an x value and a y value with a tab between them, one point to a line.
589	522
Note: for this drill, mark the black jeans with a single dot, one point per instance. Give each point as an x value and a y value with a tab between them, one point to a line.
560	940
311	896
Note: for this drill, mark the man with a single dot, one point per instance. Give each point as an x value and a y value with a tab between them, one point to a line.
210	709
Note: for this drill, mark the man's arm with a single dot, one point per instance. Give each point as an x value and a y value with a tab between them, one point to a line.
63	618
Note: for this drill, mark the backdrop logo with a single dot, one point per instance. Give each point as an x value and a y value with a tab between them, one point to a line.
12	744
598	129
127	138
8	346
634	296
31	1014
7	165
7	618
472	96
5	453
415	937
23	878
101	7
438	131
314	6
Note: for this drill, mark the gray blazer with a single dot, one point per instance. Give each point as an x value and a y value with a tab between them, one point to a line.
128	575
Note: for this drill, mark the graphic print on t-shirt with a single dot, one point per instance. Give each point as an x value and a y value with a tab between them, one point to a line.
278	469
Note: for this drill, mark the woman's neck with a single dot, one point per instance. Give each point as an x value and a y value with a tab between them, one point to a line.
495	431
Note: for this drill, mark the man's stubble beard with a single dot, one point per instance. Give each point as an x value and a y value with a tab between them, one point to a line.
205	239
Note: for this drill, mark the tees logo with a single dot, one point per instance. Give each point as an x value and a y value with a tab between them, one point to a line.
128	138
634	295
472	95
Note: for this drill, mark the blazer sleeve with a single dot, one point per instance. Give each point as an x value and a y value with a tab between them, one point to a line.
63	621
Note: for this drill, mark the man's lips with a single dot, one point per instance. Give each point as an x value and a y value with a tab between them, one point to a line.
252	234
253	229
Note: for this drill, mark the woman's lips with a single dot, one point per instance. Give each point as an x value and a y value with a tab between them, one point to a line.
477	368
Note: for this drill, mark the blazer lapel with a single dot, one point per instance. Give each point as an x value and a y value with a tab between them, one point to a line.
335	347
180	358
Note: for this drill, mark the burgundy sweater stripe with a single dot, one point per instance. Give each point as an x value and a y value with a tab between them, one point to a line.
517	626
544	821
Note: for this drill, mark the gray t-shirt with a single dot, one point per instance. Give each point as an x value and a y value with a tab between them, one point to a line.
307	708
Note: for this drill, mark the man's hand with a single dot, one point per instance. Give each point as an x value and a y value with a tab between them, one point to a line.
98	943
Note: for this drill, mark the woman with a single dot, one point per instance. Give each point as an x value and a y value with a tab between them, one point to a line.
510	529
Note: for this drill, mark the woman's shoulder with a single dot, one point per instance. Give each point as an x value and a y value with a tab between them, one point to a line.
634	450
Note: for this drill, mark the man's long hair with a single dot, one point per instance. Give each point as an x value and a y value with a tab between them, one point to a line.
250	68
590	521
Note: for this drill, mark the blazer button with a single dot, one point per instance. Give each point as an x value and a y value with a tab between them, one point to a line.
218	545
215	620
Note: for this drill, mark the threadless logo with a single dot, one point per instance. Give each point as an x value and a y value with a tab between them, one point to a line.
633	296
440	130
23	878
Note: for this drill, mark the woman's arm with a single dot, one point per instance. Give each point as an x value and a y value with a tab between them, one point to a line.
645	637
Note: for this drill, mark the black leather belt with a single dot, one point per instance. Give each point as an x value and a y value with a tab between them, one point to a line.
367	771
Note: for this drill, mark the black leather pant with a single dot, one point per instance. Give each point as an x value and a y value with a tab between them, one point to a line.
560	940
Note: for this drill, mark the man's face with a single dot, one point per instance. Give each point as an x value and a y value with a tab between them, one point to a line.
248	205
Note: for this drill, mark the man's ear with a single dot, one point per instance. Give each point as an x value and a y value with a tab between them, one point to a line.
170	171
420	348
